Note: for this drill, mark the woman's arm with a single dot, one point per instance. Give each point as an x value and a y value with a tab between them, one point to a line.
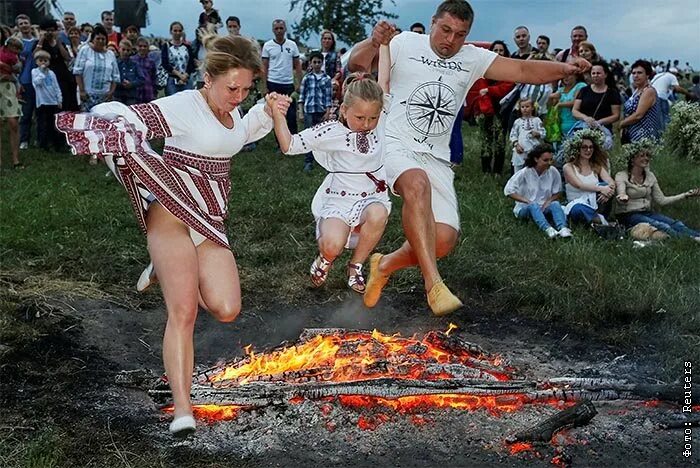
621	187
519	198
384	68
612	118
576	111
605	177
284	136
658	196
646	100
572	179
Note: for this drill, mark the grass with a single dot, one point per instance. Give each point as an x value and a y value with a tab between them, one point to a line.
68	230
64	219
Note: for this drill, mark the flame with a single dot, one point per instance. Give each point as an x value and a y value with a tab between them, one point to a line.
351	357
450	328
213	412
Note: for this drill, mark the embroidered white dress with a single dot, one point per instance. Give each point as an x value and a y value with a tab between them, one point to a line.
191	178
355	165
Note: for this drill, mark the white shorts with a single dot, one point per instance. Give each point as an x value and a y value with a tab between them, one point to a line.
399	159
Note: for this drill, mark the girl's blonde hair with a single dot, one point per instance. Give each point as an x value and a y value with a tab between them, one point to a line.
361	86
229	52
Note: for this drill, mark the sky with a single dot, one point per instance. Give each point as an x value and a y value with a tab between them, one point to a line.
625	29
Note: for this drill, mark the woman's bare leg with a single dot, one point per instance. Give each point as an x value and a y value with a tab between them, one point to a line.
333	237
219	285
175	259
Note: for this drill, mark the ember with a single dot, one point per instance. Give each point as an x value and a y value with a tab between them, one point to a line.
370	370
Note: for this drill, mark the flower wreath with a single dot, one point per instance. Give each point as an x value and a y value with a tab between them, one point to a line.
645	145
572	146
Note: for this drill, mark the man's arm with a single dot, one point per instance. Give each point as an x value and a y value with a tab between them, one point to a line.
265	70
298	75
533	71
364	56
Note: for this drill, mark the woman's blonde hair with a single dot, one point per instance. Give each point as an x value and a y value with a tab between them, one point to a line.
361	86
229	52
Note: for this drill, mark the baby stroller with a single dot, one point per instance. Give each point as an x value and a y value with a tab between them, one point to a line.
559	157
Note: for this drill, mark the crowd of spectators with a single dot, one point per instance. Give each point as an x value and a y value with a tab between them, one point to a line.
63	65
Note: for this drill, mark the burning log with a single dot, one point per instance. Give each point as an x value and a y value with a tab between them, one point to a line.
578	415
276	393
334	362
672	393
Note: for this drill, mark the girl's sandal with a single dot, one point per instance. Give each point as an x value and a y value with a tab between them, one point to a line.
319	271
356	281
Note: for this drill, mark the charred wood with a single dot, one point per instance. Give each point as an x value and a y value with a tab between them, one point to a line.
578	415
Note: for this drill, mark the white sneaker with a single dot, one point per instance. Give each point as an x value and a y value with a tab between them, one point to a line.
565	232
551	232
24	145
183	426
147	278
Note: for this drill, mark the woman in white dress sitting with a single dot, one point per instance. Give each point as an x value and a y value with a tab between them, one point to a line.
181	197
588	183
352	205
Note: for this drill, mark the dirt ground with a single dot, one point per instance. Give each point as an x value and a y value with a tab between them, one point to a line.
66	380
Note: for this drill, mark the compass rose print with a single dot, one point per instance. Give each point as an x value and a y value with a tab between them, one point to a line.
431	108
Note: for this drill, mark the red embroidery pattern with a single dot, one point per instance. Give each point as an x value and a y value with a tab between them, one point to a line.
213	167
153	119
137	166
362	143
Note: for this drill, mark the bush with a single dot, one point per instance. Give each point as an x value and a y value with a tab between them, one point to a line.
682	136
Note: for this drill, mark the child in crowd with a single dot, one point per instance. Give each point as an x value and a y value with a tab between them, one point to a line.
334	111
130	76
315	98
210	15
535	189
352	205
527	132
148	67
49	101
10	108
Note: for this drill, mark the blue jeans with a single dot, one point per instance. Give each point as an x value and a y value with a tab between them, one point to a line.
581	213
28	107
665	108
668	225
534	211
311	119
171	87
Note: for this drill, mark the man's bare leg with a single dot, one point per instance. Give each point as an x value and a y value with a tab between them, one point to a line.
426	240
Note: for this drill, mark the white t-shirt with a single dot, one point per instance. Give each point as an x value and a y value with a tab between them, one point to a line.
429	91
281	57
663	83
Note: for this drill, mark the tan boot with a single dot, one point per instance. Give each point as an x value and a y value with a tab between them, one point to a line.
376	282
441	300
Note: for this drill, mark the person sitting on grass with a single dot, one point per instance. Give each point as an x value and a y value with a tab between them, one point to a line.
588	182
536	189
352	205
637	187
527	132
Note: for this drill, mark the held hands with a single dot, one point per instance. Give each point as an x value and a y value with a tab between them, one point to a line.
606	191
693	193
277	104
382	33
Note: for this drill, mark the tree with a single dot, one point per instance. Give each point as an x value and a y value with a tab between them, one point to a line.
346	18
